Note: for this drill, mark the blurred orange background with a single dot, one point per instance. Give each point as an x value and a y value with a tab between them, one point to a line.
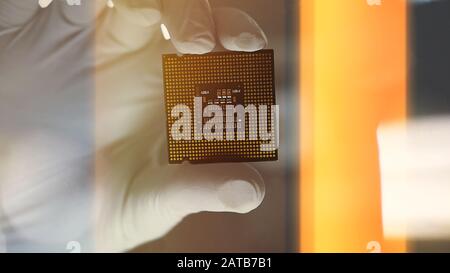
353	65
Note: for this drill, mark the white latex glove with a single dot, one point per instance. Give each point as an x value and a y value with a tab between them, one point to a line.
83	123
2	243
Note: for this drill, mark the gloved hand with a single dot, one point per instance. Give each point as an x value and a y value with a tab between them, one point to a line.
83	123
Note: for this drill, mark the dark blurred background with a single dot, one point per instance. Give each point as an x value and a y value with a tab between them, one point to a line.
429	89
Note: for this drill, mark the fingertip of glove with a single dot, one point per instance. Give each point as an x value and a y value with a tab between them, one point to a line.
191	25
140	13
238	31
242	195
245	41
200	45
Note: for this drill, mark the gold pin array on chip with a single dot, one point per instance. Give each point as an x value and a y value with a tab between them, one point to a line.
201	88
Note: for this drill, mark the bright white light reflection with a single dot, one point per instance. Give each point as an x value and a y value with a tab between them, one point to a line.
415	178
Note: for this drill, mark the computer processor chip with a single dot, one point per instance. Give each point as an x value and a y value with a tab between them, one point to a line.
220	107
